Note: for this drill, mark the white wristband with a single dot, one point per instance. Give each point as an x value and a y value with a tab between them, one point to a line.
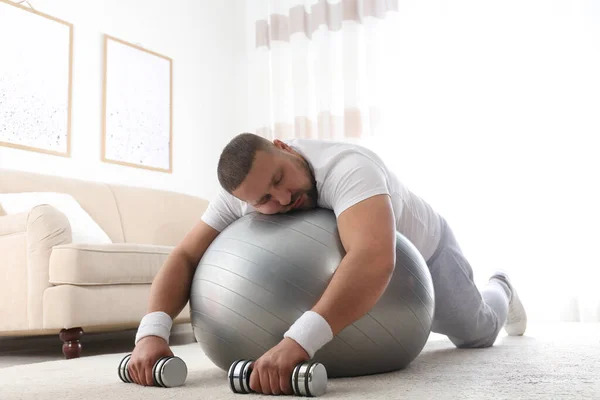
311	331
157	323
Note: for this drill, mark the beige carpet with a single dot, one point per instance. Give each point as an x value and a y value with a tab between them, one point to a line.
551	362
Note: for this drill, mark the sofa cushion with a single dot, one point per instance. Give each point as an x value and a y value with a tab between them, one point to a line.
106	264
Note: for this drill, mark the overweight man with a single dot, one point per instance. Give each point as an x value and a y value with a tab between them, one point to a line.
370	204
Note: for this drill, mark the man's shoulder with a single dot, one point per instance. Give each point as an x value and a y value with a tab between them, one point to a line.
224	209
328	149
224	196
322	142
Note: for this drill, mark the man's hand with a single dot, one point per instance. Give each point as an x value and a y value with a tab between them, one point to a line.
143	358
272	373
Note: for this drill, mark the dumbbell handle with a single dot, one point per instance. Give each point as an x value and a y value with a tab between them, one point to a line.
309	379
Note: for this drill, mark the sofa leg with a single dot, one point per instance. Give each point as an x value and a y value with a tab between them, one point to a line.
71	344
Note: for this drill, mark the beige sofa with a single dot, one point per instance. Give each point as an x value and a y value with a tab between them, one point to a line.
50	285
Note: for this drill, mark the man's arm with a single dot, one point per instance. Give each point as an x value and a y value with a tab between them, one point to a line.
170	289
368	234
169	293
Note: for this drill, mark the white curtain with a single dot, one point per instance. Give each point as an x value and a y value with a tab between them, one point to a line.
490	112
315	66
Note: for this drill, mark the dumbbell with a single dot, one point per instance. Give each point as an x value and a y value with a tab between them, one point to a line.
309	379
167	371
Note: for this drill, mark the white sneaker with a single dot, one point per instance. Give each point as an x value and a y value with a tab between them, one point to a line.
516	321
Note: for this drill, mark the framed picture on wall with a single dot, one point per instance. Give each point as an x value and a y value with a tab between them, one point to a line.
137	107
36	58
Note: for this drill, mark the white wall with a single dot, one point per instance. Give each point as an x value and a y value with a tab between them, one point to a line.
493	119
206	41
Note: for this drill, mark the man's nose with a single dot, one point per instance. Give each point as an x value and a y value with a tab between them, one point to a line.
283	196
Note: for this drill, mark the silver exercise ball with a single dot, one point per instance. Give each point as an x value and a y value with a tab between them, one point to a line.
264	271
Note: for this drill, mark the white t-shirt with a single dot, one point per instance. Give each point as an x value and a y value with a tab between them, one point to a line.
347	174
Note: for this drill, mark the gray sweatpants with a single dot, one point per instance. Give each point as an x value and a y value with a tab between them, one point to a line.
468	316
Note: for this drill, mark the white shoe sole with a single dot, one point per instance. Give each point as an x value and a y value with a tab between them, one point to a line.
516	321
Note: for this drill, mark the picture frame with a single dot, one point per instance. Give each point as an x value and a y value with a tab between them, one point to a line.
137	110
35	80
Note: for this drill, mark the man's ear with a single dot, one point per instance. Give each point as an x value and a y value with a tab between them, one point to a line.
281	146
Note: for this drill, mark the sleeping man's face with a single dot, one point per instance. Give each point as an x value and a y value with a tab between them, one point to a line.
279	181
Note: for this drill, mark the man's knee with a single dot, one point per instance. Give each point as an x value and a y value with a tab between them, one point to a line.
474	344
475	339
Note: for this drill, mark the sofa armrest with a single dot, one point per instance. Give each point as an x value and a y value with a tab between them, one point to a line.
46	227
26	242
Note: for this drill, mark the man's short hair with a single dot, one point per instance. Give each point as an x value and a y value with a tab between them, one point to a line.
237	158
